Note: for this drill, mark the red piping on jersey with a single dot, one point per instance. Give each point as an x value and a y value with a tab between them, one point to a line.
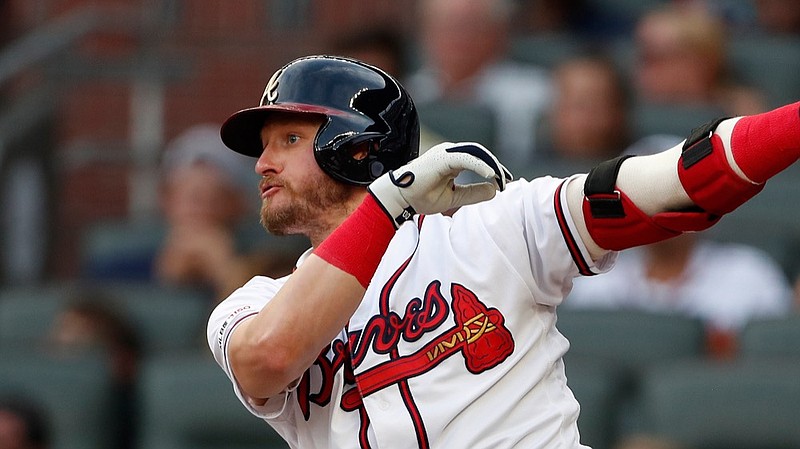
569	239
405	391
363	435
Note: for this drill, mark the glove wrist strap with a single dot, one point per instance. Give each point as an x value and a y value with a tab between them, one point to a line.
389	200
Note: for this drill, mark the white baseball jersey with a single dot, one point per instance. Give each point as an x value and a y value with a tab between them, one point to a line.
454	344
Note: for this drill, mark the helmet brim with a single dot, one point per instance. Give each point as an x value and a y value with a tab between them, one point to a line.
241	132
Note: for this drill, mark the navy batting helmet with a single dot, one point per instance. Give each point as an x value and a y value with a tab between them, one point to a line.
371	124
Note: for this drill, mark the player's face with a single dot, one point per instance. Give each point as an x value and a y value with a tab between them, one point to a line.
297	197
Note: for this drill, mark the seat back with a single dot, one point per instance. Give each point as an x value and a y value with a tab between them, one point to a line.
631	338
74	394
120	249
189	403
743	405
775	337
546	50
166	319
27	312
599	388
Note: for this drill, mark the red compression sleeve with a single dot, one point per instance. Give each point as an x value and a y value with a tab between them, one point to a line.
358	244
765	144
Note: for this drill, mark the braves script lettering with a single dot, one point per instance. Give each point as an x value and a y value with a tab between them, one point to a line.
382	333
479	334
328	362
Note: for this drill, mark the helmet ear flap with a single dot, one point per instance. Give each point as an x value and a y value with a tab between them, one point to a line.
367	149
359	154
361	150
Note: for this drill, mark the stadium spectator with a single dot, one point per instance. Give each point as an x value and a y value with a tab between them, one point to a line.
380	46
23	425
588	119
681	57
581	18
779	17
463	47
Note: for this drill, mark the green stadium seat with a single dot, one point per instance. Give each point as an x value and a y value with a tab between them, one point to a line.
75	395
743	405
120	249
189	403
166	319
27	312
546	50
632	339
599	388
627	342
774	337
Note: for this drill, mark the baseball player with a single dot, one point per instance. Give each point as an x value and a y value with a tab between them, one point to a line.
424	314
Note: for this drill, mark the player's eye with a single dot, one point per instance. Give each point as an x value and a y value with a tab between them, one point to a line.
293	139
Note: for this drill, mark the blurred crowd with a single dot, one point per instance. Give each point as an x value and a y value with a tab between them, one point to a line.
551	86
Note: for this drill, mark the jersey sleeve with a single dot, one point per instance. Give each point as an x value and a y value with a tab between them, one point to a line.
243	304
535	235
578	251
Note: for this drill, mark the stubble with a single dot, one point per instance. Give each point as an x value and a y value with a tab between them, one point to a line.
308	208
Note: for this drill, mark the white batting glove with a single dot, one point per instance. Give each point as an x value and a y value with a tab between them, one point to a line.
427	185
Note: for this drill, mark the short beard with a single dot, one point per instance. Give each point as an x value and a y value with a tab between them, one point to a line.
309	208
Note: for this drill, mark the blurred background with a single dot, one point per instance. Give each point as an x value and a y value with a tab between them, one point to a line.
122	224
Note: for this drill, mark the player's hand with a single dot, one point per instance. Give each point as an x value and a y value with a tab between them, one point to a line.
427	185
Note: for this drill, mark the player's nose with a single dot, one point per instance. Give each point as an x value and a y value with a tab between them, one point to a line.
266	162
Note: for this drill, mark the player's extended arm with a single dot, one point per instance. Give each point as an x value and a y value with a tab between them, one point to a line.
272	349
634	201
